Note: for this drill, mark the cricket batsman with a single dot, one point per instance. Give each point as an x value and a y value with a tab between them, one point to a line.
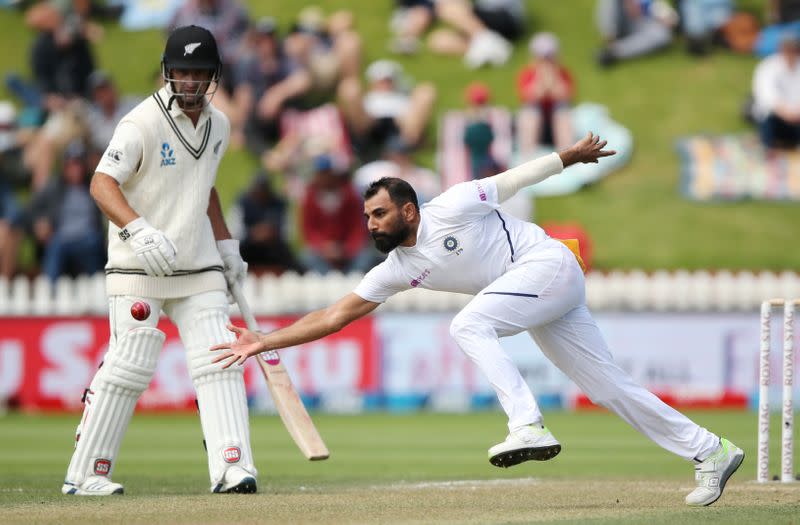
522	280
169	250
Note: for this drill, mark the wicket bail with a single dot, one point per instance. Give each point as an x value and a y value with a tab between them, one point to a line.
787	408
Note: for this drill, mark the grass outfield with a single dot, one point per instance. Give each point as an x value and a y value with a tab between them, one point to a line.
636	217
388	469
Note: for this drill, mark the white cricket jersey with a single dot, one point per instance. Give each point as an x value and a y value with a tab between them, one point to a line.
463	243
166	167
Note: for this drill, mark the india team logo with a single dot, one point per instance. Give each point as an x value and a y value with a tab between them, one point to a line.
450	243
167	155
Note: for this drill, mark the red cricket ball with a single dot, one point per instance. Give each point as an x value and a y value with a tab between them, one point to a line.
140	310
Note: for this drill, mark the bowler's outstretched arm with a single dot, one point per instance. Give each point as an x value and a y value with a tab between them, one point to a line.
310	327
587	150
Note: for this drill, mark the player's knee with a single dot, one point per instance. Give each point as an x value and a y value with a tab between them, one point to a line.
207	328
469	325
131	363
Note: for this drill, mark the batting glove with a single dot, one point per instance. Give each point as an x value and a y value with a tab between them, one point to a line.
234	266
154	250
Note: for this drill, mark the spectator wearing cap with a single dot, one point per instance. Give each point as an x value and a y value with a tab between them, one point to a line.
776	94
386	109
546	90
106	111
66	222
13	177
332	222
398	162
478	133
327	47
261	215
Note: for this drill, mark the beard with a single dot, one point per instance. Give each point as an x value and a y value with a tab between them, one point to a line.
388	241
192	96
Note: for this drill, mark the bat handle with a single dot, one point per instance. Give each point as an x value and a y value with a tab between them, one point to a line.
238	296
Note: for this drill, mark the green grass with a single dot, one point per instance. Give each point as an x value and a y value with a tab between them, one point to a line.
606	470
636	217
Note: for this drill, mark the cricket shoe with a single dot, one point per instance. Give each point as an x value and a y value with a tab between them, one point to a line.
93	486
712	473
531	442
236	481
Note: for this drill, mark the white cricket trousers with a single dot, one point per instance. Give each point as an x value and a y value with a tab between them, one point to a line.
546	298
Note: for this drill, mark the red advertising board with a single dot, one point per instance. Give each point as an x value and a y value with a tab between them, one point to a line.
45	363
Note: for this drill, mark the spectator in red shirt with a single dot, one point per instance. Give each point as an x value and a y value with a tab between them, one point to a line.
332	222
546	90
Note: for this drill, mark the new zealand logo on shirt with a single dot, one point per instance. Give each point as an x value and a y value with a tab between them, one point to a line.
167	155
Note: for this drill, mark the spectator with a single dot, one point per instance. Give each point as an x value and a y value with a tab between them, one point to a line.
66	221
12	176
263	229
776	93
61	61
106	111
702	22
329	49
480	31
546	90
633	28
332	222
397	162
264	84
386	109
478	133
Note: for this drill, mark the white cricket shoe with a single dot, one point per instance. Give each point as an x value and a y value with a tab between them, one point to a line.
236	480
712	473
532	442
93	486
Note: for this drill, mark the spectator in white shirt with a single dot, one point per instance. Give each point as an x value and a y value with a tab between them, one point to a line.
386	109
776	90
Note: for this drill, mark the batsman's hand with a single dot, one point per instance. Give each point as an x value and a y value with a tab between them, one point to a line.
587	150
154	250
234	266
247	344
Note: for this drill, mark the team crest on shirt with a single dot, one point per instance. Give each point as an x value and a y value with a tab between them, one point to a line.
115	155
216	148
167	155
451	244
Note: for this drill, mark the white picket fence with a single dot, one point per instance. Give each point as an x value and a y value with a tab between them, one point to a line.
291	293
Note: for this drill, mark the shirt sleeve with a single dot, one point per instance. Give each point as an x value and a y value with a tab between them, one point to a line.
123	154
466	200
380	283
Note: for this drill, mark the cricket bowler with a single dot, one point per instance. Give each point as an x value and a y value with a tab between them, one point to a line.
522	280
169	250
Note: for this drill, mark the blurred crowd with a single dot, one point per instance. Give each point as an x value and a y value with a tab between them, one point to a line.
323	123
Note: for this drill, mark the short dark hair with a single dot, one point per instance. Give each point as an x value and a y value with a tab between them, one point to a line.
400	192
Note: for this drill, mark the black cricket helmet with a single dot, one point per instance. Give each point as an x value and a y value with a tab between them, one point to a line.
190	47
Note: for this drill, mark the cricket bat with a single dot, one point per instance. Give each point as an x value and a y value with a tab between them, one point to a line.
290	407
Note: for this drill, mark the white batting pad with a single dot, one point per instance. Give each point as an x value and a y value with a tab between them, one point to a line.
110	400
221	396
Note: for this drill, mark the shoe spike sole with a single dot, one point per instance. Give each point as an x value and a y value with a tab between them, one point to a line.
515	457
